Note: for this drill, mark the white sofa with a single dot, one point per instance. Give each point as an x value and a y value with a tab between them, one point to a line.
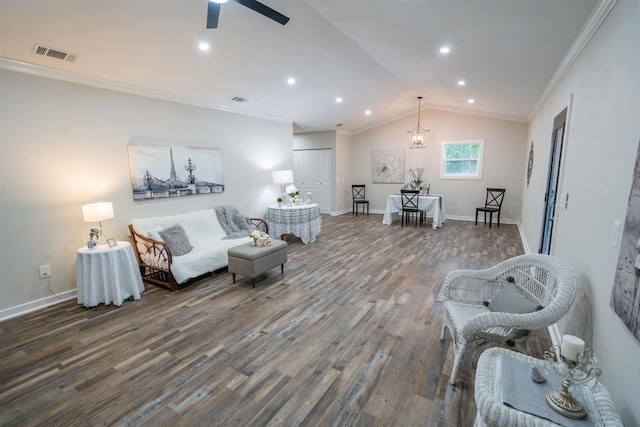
161	260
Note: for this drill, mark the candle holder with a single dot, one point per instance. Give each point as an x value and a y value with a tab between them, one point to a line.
581	372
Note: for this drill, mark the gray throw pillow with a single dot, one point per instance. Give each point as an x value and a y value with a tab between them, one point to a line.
511	299
177	240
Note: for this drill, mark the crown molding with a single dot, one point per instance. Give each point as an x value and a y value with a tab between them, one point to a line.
52	73
597	17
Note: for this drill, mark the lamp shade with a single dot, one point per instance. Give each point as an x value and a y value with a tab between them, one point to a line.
282	177
97	212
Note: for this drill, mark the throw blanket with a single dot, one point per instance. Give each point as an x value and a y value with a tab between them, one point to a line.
233	222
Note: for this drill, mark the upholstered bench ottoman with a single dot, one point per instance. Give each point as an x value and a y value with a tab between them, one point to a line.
253	261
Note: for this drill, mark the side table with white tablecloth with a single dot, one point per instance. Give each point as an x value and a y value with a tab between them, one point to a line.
431	204
107	275
303	221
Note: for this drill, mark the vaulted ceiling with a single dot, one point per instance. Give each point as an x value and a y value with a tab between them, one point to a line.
377	55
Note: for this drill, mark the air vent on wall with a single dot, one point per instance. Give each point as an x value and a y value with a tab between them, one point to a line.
238	99
39	49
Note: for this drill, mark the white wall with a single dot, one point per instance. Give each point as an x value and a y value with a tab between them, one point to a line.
342	194
504	142
64	145
601	147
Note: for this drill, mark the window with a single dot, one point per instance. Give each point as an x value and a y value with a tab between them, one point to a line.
462	159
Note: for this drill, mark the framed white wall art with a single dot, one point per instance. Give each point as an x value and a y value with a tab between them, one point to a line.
387	166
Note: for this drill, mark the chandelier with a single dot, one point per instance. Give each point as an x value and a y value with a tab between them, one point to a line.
418	136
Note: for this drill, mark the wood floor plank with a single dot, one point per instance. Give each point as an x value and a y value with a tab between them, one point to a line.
349	335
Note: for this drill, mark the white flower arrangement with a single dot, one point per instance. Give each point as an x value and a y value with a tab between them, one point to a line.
259	238
292	191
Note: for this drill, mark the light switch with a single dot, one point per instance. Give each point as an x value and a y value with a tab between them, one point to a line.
564	200
615	234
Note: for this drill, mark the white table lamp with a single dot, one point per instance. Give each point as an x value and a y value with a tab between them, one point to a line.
282	177
98	212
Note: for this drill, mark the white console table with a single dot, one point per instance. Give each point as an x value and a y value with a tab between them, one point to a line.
497	366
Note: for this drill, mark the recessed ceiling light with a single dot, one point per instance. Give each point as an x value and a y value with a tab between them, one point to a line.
218	1
368	112
445	49
338	100
204	46
291	81
461	83
471	101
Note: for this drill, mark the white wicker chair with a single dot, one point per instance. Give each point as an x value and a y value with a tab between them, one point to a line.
545	280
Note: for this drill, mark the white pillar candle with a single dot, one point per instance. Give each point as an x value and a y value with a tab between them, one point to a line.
571	347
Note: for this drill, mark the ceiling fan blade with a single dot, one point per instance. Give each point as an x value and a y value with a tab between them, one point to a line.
213	13
264	10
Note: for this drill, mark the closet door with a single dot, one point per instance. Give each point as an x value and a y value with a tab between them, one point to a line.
312	172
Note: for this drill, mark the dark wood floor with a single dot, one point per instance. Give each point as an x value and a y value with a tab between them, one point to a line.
348	336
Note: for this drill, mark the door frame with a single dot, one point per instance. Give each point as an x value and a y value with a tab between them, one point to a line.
556	152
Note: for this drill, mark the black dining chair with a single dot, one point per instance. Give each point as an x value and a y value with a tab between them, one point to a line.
410	206
493	203
358	192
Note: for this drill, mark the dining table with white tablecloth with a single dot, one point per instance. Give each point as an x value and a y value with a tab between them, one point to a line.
431	204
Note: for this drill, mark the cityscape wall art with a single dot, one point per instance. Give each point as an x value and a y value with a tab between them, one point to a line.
162	171
625	296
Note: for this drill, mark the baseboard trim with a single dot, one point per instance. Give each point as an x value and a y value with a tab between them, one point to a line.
454	217
19	310
523	237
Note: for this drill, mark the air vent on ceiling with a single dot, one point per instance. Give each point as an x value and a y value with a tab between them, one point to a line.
238	99
39	49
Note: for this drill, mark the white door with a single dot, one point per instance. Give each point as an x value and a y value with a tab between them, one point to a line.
312	172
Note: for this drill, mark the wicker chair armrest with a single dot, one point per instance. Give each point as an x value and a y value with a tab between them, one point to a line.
150	252
260	224
528	321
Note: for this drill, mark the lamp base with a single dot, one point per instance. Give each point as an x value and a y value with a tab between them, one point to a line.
565	404
101	239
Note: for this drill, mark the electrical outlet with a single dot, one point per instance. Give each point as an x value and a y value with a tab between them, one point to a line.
45	271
